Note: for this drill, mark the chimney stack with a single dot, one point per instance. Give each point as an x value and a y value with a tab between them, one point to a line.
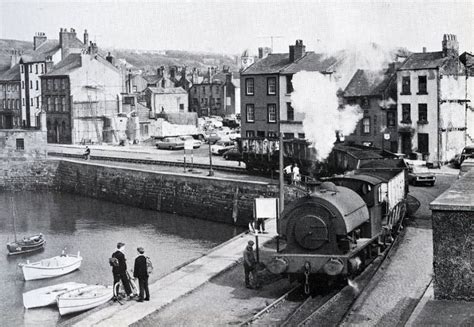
39	39
15	57
110	59
66	40
86	37
424	49
450	46
172	72
228	77
300	49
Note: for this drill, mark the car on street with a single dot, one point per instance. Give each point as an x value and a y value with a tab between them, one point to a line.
196	143
467	152
222	146
420	175
233	154
212	138
170	143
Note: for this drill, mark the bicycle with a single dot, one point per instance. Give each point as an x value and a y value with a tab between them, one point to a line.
119	290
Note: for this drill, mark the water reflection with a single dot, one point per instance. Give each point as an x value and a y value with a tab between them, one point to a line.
92	227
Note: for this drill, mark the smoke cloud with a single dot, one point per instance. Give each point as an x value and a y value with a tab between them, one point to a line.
315	95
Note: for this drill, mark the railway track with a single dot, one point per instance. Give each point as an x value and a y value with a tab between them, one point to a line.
321	310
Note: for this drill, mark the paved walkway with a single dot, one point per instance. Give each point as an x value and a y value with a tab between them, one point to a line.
175	284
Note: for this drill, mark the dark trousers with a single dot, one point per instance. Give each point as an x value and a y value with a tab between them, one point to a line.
251	271
143	285
260	222
126	283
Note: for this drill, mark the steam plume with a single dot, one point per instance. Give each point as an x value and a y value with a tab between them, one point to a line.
315	95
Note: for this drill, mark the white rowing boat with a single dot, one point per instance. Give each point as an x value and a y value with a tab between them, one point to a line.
52	267
84	298
44	296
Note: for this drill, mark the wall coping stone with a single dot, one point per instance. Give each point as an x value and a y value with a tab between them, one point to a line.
172	173
459	197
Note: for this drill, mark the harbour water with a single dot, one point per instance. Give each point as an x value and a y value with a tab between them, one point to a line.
92	227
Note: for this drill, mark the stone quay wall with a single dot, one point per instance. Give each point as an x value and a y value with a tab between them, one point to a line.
216	199
27	175
453	241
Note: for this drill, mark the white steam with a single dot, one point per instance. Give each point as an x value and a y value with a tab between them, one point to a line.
315	95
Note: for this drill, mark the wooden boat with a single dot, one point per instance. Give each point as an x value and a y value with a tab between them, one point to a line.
84	298
27	244
52	267
44	296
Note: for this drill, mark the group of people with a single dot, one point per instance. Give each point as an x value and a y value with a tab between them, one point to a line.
140	271
292	173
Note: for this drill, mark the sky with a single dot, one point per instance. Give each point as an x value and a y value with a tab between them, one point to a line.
232	26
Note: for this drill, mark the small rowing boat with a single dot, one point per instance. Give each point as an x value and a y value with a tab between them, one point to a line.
84	298
52	267
45	296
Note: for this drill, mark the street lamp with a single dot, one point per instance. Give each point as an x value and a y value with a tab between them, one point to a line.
211	172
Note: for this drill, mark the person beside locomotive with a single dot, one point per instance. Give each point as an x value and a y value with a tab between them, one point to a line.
250	266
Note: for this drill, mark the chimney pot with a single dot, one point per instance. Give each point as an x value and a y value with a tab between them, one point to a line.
424	49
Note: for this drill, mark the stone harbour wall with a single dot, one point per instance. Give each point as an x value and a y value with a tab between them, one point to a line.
28	175
216	199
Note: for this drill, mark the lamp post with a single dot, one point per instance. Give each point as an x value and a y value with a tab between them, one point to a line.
211	172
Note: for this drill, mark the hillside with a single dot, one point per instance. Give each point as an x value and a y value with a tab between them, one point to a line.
147	60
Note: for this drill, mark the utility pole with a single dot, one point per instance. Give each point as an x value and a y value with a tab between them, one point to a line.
271	37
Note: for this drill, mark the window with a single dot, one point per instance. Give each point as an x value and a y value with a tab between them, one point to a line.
271	85
4	103
56	104
63	103
364	102
22	84
288	135
250	113
249	86
290	112
129	100
36	68
181	106
195	101
8	87
31	101
366	125
50	84
56	84
63	85
406	85
260	133
406	114
423	143
42	69
301	136
22	69
272	115
37	85
31	84
250	134
289	84
23	101
422	113
48	104
422	85
272	135
3	87
31	69
20	144
17	104
391	118
37	102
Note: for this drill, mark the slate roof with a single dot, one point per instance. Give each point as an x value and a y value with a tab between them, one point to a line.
49	48
311	62
64	67
167	90
152	79
368	83
425	60
271	64
13	74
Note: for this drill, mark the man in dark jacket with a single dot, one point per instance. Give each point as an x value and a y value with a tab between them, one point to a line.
250	266
120	271
140	271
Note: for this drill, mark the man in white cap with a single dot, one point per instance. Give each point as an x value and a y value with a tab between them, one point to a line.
250	266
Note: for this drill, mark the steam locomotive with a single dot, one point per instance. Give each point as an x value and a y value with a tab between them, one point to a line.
342	224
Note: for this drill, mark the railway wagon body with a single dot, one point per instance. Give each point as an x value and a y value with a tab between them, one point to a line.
339	227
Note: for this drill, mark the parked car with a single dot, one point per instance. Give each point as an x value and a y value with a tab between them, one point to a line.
466	166
222	146
467	152
170	143
212	138
196	143
419	175
233	154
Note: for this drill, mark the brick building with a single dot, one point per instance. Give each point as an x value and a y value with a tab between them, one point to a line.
376	94
10	97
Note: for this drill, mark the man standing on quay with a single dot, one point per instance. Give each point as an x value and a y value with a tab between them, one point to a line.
250	266
120	271
140	271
